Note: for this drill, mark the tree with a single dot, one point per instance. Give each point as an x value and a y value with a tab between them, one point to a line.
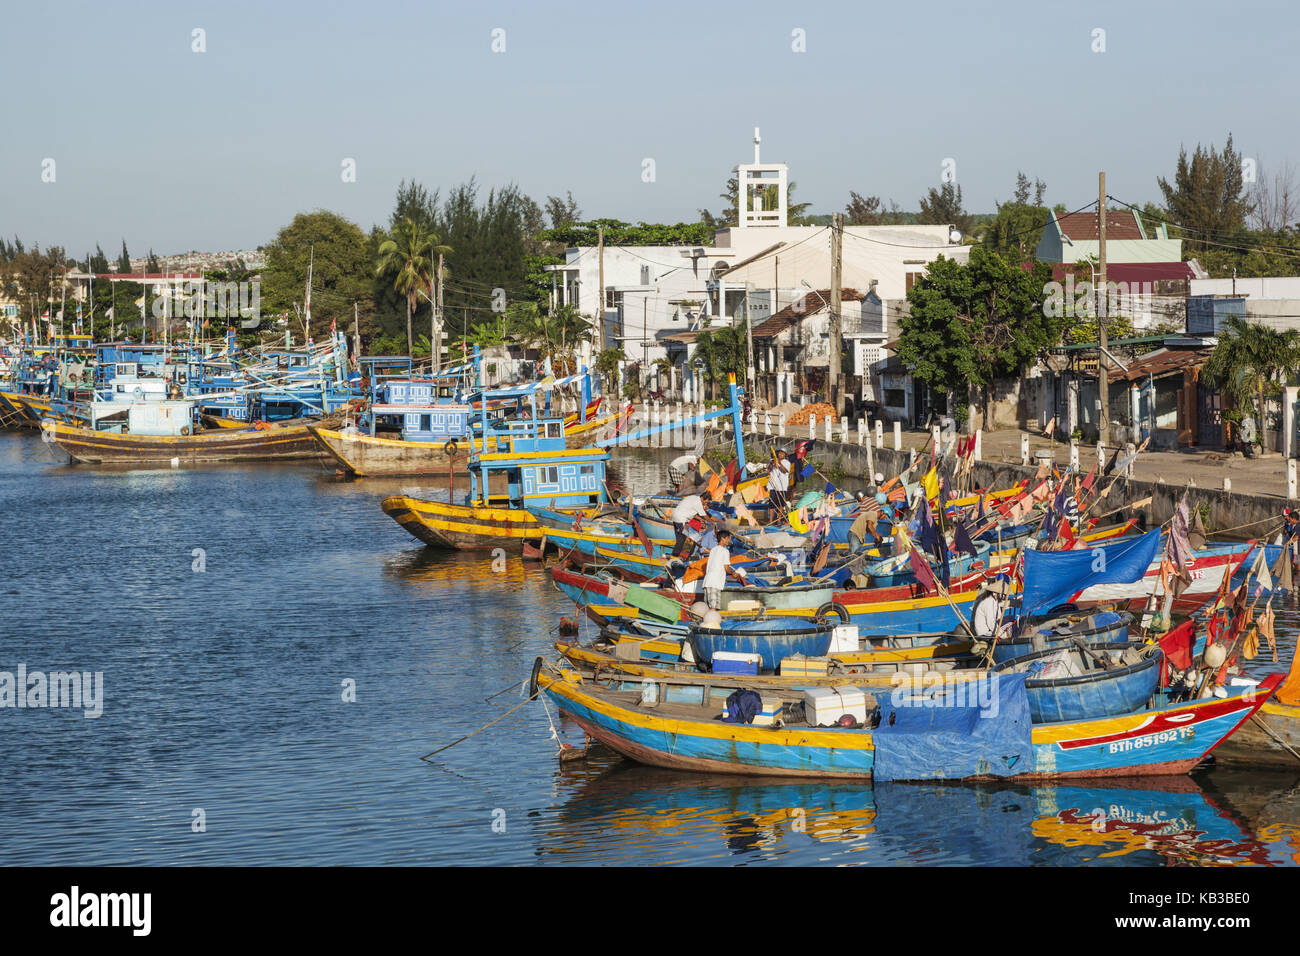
970	325
154	266
862	212
416	203
562	212
943	206
124	260
723	350
98	263
1019	224
1247	362
1206	196
556	335
1275	199
607	364
408	257
341	262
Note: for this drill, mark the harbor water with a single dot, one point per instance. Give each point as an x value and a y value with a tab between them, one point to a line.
277	655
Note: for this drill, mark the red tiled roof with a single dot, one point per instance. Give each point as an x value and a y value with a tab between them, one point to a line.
1083	225
1127	271
813	303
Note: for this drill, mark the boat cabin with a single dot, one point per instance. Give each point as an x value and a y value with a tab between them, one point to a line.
531	455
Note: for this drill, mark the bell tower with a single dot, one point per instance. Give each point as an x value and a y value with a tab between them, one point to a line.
762	191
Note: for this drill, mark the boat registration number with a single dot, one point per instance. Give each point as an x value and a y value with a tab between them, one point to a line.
1153	740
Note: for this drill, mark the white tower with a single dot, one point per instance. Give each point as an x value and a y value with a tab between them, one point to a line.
762	191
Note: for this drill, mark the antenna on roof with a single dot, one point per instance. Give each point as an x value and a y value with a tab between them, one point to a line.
757	139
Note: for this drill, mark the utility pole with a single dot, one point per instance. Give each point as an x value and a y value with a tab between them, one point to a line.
749	348
1103	303
600	293
835	362
356	334
437	355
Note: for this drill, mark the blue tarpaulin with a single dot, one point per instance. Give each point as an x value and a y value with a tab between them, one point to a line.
955	730
1051	577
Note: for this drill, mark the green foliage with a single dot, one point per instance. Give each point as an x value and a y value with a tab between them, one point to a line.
1248	361
869	211
971	325
1083	330
942	206
342	266
124	260
408	257
618	233
1206	196
723	350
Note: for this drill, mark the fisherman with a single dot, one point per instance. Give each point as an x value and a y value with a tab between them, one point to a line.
684	513
693	482
986	613
778	482
715	573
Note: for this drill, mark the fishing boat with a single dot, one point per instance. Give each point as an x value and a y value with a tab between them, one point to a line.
160	432
529	463
656	721
877	668
1082	681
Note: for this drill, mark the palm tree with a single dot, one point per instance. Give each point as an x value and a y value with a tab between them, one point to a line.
408	254
556	335
1248	359
663	366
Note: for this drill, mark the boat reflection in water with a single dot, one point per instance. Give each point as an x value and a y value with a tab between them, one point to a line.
618	812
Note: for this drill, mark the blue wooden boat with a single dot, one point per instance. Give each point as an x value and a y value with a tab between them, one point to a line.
657	721
1043	634
773	639
1100	680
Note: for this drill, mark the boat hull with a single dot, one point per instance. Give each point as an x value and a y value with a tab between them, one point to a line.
275	443
462	527
1169	740
367	456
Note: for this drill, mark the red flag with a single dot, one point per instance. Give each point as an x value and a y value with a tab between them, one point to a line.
1177	645
921	568
1087	482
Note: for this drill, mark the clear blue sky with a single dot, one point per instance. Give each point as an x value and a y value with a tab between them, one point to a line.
178	150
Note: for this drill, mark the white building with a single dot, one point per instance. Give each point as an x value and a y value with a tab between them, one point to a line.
656	298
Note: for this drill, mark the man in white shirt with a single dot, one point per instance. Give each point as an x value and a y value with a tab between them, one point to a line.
778	481
715	573
687	510
986	615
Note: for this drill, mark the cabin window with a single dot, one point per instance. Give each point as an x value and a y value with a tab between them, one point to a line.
588	470
551	475
426	423
553	430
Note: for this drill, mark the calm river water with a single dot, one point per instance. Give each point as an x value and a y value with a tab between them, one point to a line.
230	610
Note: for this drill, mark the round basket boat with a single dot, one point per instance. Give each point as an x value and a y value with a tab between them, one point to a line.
1086	689
773	639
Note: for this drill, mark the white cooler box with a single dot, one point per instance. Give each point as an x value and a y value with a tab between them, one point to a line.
824	706
844	639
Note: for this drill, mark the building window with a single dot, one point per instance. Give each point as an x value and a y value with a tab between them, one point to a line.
912	279
895	398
